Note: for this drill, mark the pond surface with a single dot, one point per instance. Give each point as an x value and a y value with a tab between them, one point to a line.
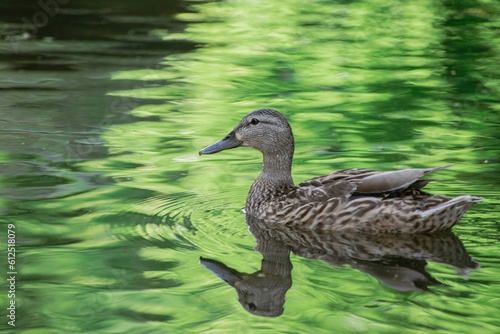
105	105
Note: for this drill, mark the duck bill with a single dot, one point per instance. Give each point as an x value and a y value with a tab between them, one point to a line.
226	143
228	275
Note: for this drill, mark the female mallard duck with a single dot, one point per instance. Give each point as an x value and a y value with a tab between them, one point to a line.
359	200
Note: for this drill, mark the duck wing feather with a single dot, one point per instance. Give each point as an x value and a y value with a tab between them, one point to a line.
365	182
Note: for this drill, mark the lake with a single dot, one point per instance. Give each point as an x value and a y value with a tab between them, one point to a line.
112	222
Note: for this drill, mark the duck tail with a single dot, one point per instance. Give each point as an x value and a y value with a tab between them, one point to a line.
458	205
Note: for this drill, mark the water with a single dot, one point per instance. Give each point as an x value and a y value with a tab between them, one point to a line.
106	104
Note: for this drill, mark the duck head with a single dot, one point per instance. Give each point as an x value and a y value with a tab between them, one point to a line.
264	129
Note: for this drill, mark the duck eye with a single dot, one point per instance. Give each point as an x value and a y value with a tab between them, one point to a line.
254	121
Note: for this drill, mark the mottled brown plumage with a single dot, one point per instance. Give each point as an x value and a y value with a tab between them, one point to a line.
358	200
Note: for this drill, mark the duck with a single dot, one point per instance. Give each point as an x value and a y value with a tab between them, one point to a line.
349	200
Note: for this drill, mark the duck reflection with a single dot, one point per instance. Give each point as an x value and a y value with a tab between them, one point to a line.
398	261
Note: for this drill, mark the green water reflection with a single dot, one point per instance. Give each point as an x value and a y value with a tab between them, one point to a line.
397	261
100	128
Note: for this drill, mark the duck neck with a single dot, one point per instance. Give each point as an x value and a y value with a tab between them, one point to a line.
277	170
276	176
274	180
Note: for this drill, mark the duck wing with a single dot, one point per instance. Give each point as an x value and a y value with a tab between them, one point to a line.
395	181
365	182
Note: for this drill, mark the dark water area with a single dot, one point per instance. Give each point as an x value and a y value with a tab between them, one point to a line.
106	207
